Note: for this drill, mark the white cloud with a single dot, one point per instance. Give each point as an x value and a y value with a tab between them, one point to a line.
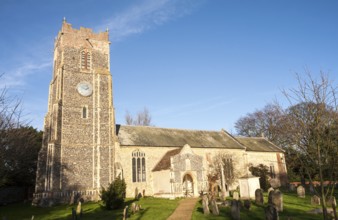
17	76
146	15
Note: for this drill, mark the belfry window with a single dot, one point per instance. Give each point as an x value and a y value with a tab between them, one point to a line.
84	112
85	60
138	166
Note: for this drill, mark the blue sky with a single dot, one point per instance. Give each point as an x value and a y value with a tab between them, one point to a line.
195	64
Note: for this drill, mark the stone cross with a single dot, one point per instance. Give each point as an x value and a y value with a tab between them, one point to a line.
259	198
214	207
205	203
301	191
235	209
275	183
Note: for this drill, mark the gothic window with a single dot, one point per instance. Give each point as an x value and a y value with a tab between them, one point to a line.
138	166
84	112
85	60
228	167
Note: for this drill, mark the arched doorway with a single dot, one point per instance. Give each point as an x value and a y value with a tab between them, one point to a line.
188	186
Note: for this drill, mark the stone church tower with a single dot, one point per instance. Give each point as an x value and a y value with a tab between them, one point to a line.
79	129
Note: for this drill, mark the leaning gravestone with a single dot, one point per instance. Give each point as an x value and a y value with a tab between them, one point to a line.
125	213
235	209
259	198
214	207
301	191
331	201
276	199
271	213
315	200
235	195
205	204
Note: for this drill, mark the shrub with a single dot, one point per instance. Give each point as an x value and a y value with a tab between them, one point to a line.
262	172
113	197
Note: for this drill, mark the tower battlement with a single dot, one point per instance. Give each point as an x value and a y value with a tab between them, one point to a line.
79	37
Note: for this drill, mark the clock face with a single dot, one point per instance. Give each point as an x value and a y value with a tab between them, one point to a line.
84	88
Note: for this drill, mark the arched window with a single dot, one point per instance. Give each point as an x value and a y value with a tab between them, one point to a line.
85	60
138	166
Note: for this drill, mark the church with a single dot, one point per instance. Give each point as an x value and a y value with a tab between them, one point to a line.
84	149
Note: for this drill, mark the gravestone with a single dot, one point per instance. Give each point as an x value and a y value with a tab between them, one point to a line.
235	209
311	189
247	204
133	207
136	193
137	208
269	190
235	195
144	193
74	216
271	212
32	217
330	201
301	191
259	198
125	213
79	209
292	187
205	203
214	207
276	199
315	200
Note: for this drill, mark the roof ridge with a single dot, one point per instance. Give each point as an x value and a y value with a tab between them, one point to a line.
179	129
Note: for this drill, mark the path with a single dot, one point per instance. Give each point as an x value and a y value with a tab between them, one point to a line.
184	209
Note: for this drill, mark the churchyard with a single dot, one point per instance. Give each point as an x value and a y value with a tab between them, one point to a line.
294	207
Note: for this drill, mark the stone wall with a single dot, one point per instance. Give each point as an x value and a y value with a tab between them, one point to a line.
153	156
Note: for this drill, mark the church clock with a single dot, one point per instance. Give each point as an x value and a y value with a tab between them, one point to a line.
84	88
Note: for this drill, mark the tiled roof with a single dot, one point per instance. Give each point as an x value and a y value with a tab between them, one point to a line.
166	137
258	144
164	163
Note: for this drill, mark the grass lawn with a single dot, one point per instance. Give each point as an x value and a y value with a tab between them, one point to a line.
294	207
151	209
155	208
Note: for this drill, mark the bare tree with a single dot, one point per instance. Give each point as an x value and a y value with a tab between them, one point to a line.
143	118
263	122
312	125
19	144
223	170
